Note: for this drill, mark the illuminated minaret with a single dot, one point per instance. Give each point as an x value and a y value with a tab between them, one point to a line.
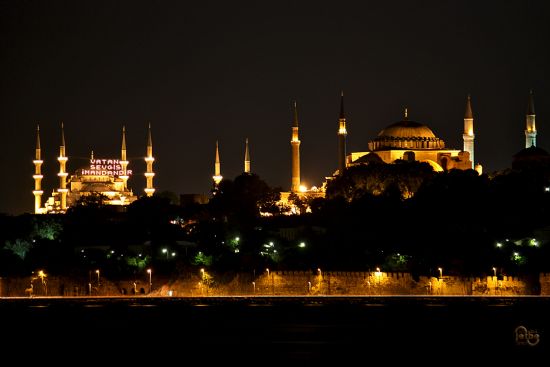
530	128
468	135
149	190
295	143
37	175
342	132
246	158
217	168
123	161
62	190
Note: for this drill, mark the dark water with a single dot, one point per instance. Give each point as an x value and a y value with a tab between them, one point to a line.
285	331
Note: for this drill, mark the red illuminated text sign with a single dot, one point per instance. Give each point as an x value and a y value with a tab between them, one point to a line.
106	167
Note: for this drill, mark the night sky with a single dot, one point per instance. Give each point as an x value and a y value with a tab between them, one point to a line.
201	71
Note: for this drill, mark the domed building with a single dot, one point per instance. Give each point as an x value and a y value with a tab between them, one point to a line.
107	178
531	158
410	140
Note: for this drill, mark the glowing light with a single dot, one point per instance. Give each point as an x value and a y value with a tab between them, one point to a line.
440	272
41	274
302	245
495	271
499	245
302	188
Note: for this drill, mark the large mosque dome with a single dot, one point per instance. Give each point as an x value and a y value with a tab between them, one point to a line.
406	135
407	129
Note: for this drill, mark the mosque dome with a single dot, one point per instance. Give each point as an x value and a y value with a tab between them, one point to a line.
407	129
531	158
406	134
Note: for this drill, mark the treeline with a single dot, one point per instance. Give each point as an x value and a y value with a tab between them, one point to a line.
399	217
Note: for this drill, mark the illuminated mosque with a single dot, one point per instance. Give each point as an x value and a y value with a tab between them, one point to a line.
405	140
105	177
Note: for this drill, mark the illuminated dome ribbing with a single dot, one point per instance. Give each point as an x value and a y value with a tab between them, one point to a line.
406	135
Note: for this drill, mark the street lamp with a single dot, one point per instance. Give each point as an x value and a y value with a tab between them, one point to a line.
495	271
165	251
97	272
267	269
150	280
440	272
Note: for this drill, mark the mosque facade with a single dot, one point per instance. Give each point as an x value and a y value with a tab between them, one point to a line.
104	177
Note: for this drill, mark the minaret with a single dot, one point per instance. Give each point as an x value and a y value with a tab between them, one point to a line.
149	174
37	175
468	135
342	132
217	167
295	143
123	161
62	190
246	158
530	128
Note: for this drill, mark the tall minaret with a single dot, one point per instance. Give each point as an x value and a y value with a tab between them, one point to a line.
217	168
123	161
295	143
468	135
530	128
149	174
342	132
62	190
246	158
37	175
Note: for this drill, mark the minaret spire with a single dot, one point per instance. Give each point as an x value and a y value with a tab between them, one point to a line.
149	174
342	132
62	159
123	160
37	192
246	158
530	127
295	143
217	168
468	136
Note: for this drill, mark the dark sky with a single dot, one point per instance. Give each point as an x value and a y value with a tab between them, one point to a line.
227	70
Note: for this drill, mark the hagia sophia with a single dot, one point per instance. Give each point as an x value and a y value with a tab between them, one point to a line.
403	140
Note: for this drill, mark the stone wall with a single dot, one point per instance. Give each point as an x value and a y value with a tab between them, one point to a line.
278	283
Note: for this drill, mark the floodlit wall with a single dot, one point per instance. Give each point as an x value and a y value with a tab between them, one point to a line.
277	283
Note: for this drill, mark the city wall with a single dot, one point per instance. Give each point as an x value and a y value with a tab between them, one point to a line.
280	283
